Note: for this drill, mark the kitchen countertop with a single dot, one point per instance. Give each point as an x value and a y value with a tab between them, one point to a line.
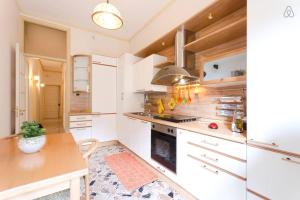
222	132
83	113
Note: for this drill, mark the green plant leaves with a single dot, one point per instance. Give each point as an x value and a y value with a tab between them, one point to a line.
31	129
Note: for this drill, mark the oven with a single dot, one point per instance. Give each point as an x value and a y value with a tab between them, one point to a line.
163	145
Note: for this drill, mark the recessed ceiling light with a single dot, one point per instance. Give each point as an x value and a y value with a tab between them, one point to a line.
210	16
107	16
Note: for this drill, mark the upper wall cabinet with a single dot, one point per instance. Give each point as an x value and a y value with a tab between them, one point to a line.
144	71
81	73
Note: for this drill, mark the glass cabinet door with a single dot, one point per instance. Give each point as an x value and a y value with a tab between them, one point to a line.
81	73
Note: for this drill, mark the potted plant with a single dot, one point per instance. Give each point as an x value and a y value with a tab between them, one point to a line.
32	137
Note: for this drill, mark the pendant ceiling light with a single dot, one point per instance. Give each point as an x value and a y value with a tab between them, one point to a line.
107	16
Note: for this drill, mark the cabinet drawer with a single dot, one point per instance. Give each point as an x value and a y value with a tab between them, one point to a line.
234	149
273	175
80	124
209	183
81	133
77	118
229	164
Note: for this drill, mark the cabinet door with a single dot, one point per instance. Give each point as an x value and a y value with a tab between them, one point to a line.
143	74
272	90
104	89
142	139
104	127
273	175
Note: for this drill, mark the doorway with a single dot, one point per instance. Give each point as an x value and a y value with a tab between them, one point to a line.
46	93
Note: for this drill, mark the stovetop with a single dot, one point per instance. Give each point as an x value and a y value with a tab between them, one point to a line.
175	118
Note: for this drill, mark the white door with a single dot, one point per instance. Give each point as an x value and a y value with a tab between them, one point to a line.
21	107
104	88
51	102
273	46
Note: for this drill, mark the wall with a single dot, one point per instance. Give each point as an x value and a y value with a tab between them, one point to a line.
45	41
9	19
34	69
171	17
84	42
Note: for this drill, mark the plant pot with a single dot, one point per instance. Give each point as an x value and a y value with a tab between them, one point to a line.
31	145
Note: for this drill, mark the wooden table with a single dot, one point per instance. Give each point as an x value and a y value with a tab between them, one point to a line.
58	166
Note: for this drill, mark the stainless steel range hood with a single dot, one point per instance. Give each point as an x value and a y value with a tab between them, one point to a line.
175	74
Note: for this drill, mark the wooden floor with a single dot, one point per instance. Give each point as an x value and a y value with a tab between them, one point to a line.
53	126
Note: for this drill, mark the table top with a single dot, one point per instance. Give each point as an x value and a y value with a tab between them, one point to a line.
58	157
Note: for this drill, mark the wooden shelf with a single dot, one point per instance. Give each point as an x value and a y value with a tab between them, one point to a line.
164	64
229	28
225	82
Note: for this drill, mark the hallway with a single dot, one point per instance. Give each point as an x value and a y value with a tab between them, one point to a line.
53	126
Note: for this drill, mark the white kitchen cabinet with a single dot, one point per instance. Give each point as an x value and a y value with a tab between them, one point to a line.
104	88
81	133
142	139
80	127
144	71
81	73
208	180
251	196
273	175
104	127
136	135
273	74
104	60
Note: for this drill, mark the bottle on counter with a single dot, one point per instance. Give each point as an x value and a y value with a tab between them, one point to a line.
237	122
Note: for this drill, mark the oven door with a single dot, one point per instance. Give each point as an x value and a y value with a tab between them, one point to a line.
163	149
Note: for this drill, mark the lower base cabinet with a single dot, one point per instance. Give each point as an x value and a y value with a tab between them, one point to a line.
81	133
209	183
273	175
136	135
104	127
205	180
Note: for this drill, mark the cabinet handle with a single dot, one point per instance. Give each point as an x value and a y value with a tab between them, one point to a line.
210	170
210	143
210	158
203	166
160	169
273	144
290	160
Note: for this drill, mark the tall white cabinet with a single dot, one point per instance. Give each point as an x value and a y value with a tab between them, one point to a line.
104	97
273	99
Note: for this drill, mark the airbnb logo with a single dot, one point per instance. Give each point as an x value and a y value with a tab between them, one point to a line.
288	12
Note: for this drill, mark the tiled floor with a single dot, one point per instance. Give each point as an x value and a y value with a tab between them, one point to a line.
104	184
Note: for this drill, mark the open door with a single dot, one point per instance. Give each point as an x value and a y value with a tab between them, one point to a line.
21	90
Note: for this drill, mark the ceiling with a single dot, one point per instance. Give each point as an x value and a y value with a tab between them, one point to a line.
136	13
52	66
